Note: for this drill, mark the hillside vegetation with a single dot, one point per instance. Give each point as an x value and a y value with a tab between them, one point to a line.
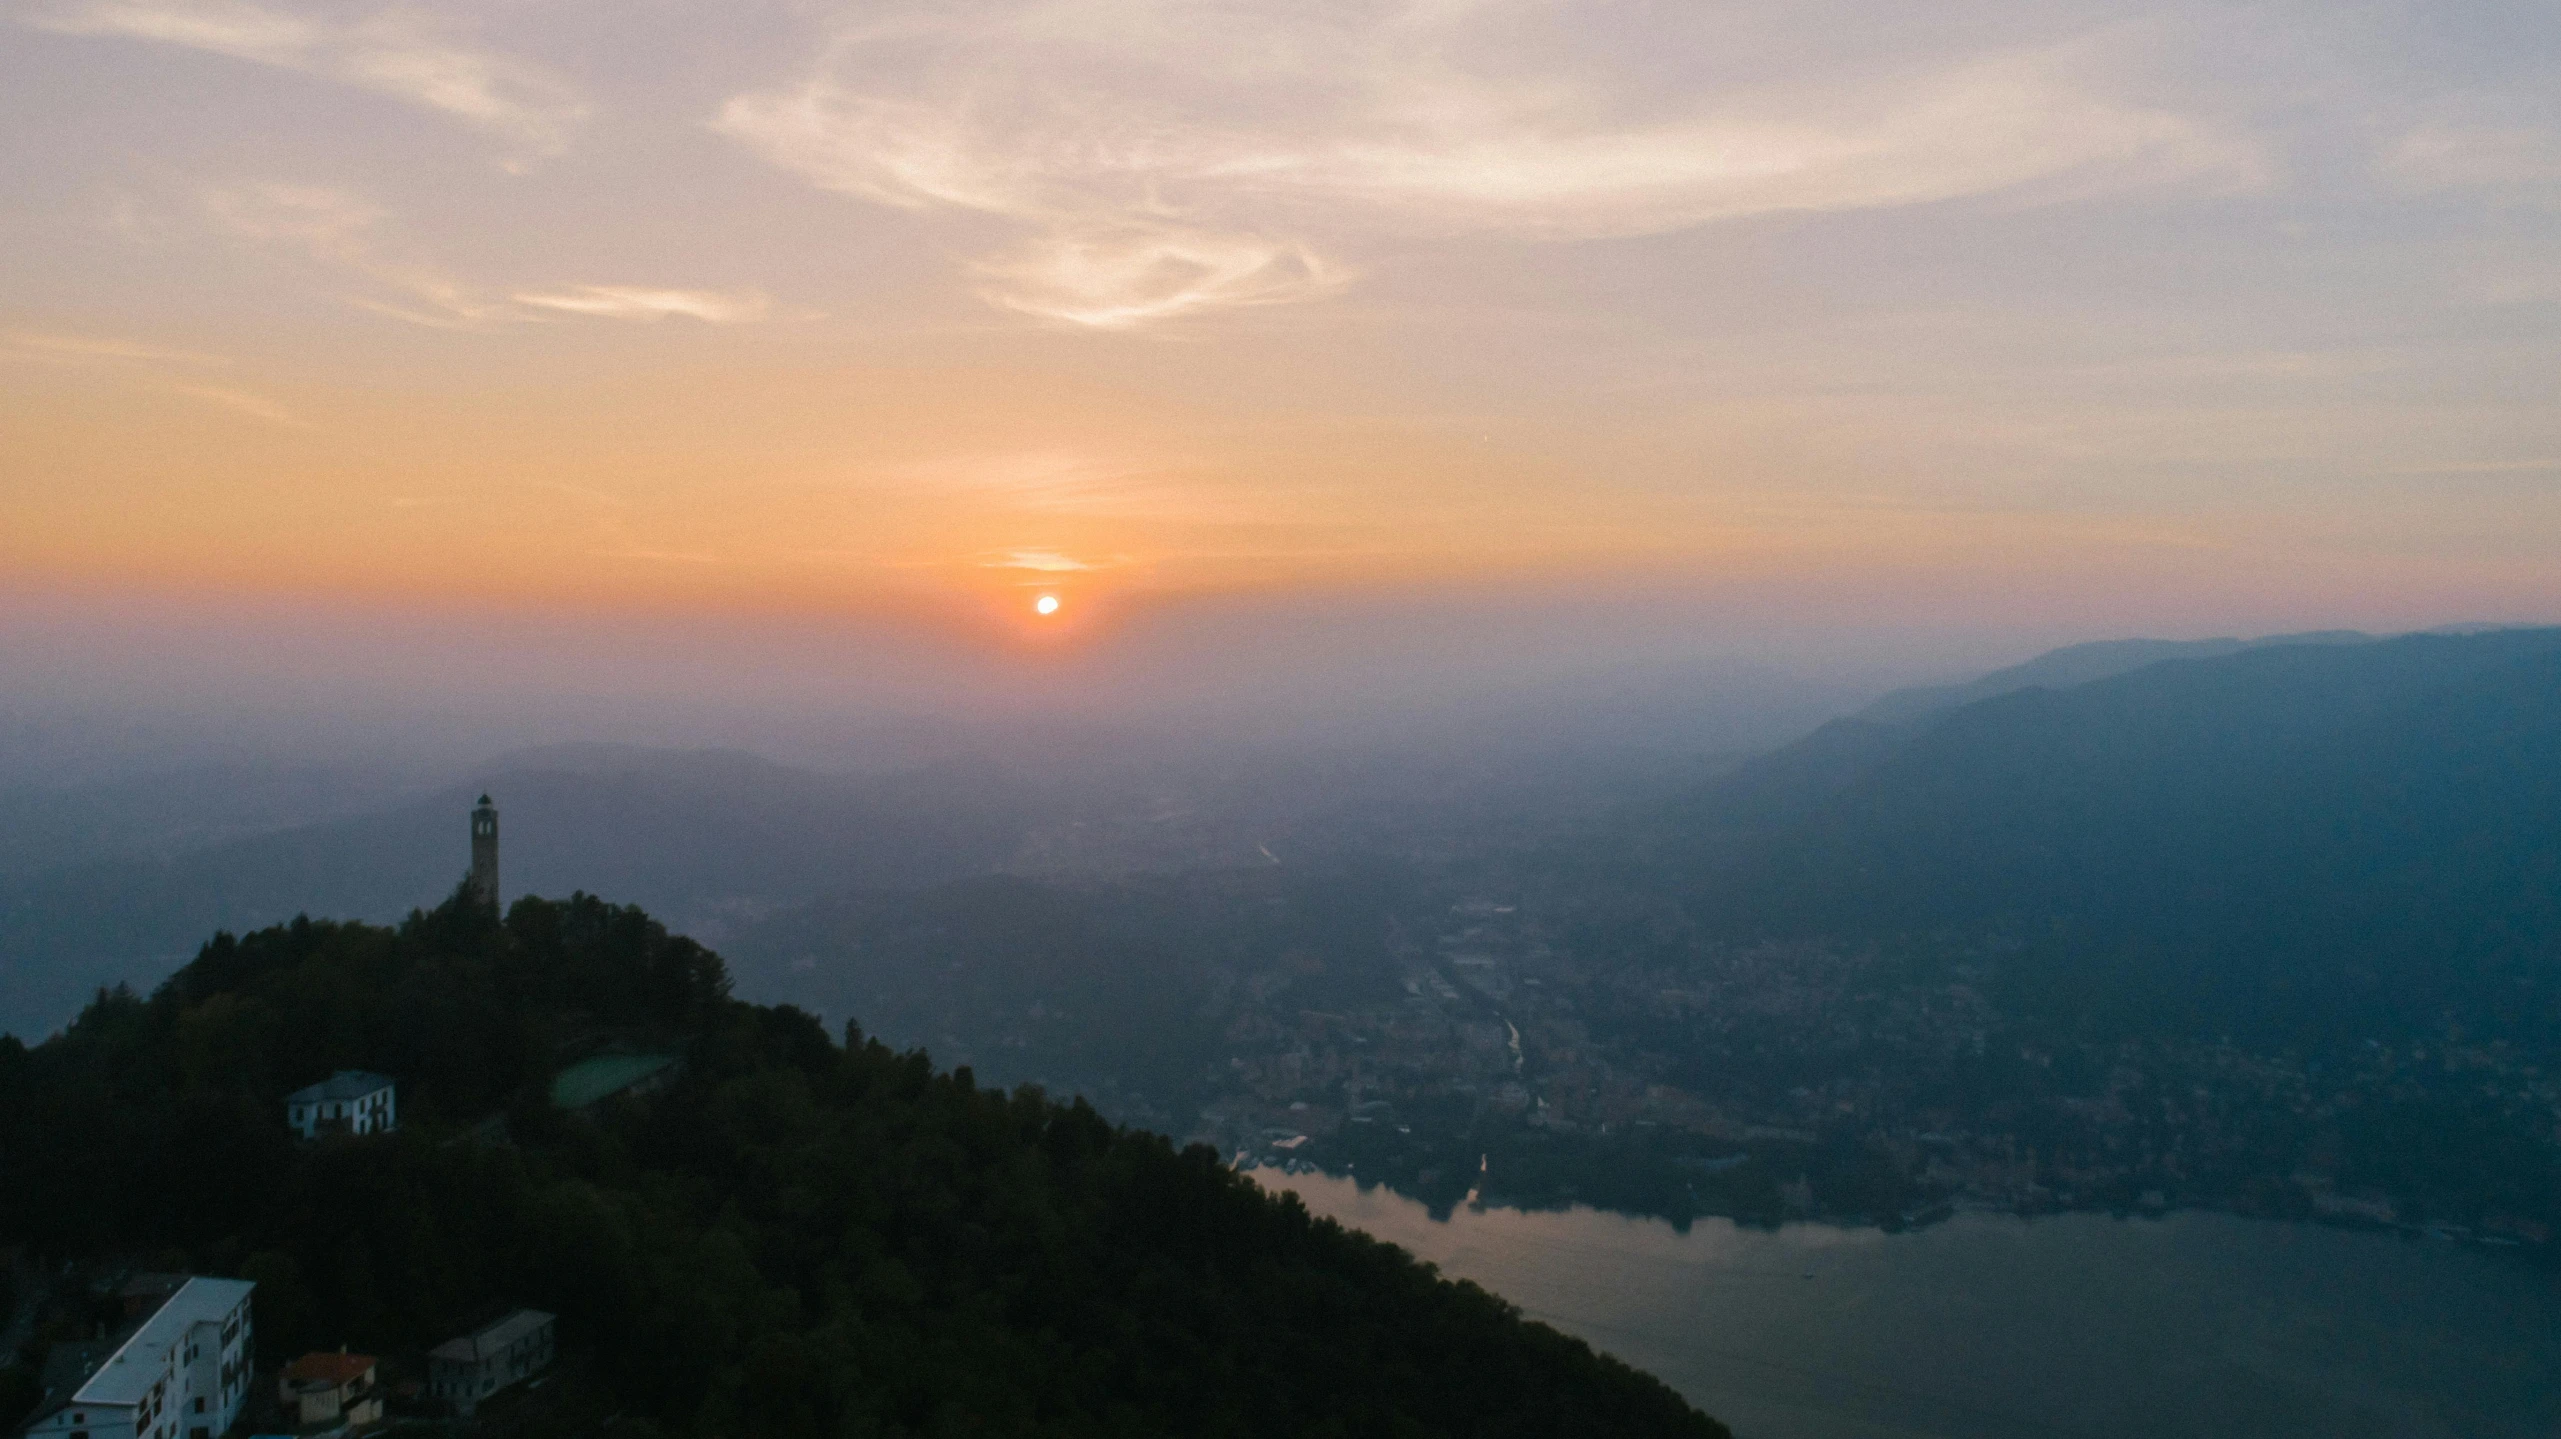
801	1238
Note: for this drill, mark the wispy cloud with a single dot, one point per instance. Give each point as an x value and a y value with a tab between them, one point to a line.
634	302
1045	562
351	233
1167	159
397	52
165	367
346	231
82	349
2476	157
255	406
330	223
1125	274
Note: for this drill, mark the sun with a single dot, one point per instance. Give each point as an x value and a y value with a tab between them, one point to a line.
1046	604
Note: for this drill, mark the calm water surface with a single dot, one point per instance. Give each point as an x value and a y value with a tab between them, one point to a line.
1990	1327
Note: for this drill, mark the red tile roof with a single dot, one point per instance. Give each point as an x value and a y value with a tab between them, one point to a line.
331	1369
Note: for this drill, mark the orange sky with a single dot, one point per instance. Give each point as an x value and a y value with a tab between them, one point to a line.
912	315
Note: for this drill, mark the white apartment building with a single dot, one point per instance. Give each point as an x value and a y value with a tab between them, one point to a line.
464	1371
182	1374
348	1102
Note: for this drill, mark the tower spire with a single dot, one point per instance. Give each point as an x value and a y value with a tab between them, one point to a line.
484	852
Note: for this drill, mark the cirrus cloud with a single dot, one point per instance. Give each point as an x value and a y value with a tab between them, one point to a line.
1164	159
2519	159
394	52
165	367
348	233
646	303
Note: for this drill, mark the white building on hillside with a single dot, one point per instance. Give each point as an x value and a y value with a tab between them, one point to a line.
464	1371
182	1374
348	1102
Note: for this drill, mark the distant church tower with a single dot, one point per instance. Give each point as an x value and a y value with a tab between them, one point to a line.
484	852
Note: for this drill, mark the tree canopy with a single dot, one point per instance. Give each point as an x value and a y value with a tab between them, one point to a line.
800	1237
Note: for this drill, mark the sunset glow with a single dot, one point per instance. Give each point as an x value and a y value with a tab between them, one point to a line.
495	307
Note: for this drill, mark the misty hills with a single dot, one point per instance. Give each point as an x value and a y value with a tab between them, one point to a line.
2300	805
165	812
716	839
2282	840
708	837
2078	665
1789	781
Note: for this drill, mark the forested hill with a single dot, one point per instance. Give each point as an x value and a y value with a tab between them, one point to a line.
2321	838
799	1238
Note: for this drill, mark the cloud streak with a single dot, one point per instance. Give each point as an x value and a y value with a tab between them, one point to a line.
156	361
635	302
2516	158
348	232
345	231
255	406
1164	159
83	349
393	52
1044	562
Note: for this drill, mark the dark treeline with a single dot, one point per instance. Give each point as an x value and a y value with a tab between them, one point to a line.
800	1238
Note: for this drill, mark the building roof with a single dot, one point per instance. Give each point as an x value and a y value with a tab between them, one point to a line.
345	1084
145	1356
598	1076
492	1339
330	1369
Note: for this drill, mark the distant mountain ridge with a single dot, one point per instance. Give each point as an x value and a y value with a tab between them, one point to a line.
711	837
2281	837
1782	781
2077	665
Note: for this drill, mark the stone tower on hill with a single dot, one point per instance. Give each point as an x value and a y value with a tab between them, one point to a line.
484	852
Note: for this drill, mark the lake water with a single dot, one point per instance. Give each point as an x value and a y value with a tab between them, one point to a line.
1991	1327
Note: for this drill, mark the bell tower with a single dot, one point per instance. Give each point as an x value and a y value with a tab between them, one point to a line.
484	852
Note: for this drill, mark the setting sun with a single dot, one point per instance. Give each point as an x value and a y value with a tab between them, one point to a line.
1046	604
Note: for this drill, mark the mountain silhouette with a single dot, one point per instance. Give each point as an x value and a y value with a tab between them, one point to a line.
2282	839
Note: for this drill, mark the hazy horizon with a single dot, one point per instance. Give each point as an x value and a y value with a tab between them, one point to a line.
794	351
123	688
